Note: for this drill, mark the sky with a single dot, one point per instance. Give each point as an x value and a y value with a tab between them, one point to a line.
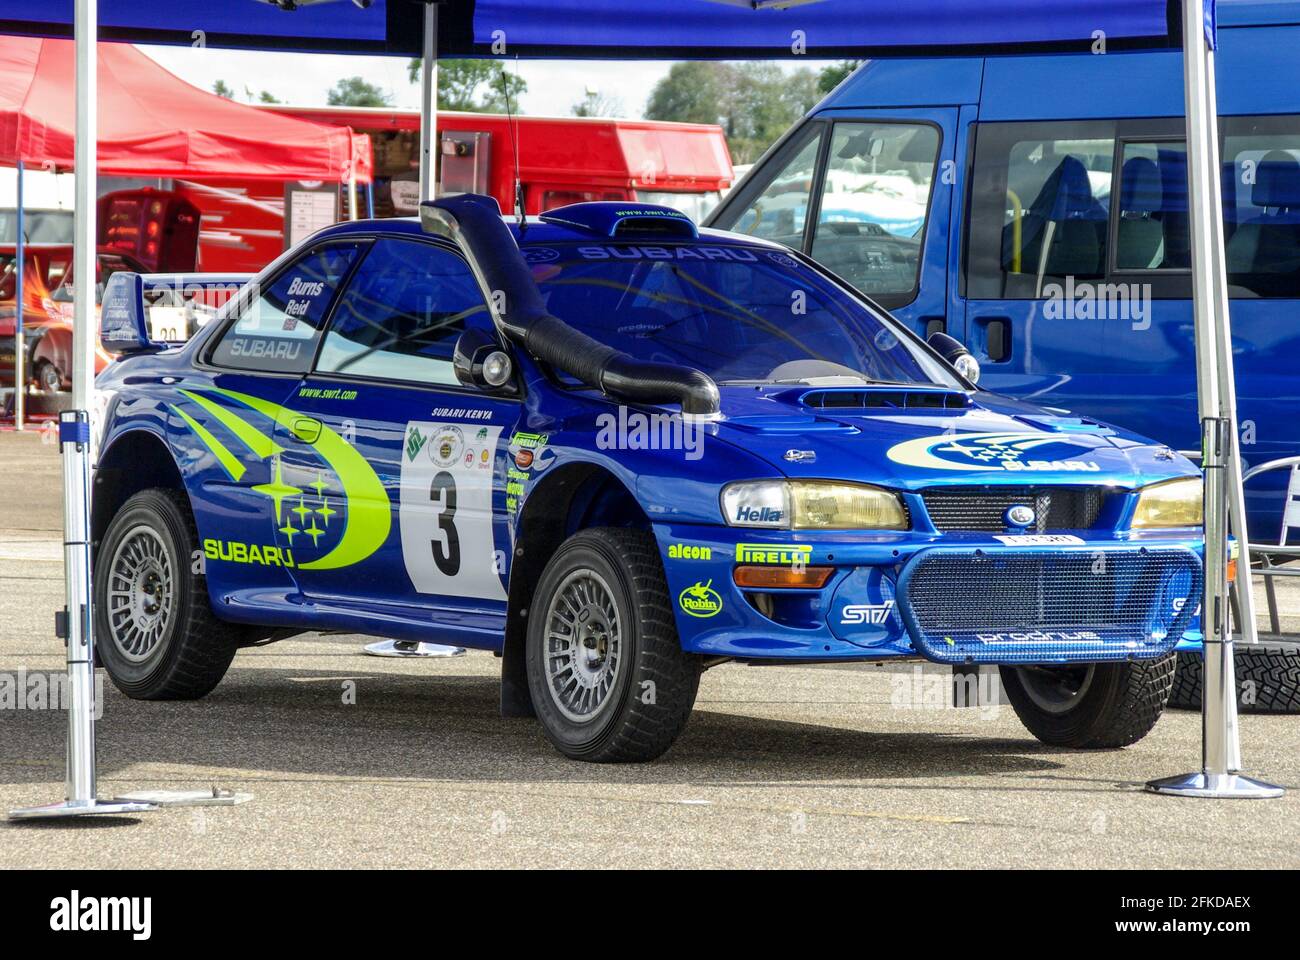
305	79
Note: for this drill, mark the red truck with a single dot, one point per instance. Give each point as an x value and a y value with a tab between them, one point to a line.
561	160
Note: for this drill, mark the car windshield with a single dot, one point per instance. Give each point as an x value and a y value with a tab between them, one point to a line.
741	314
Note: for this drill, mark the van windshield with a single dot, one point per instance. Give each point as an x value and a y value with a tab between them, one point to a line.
738	313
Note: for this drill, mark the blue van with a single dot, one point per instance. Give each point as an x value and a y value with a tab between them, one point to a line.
1035	208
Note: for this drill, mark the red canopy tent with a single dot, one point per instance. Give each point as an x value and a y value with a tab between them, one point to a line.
151	123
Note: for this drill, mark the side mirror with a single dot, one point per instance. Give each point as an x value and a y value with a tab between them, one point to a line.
955	353
480	362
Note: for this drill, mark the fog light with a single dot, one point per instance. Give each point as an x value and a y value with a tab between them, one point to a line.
782	578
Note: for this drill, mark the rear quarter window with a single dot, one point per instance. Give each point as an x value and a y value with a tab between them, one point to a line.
276	330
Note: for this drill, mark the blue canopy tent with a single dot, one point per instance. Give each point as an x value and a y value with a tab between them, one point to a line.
694	29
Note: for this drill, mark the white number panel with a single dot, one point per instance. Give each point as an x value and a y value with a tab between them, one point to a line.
445	512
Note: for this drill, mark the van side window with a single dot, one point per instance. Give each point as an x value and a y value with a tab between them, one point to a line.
1261	205
403	310
1152	232
872	210
1040	207
780	211
277	330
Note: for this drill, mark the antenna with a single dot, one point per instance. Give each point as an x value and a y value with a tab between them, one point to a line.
512	126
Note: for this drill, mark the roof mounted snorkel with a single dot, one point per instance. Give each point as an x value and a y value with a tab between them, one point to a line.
474	224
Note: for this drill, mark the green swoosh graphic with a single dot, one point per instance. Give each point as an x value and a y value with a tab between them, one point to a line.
369	513
249	435
227	459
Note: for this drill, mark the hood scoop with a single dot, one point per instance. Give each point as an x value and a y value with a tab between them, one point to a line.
877	399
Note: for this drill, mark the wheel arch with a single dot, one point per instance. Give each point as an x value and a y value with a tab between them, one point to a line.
135	460
568	498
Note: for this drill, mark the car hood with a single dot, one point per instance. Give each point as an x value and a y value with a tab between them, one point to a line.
909	437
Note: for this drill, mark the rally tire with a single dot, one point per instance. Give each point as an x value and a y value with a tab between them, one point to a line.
653	690
1268	678
187	650
1119	705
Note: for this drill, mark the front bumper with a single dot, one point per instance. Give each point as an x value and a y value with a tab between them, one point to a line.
954	598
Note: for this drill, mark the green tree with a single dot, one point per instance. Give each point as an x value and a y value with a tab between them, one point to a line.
832	76
223	89
357	92
267	97
596	104
754	102
474	85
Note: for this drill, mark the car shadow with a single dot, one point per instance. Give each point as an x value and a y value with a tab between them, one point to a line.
300	723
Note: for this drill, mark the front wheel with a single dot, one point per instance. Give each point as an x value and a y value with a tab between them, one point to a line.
155	633
1091	705
608	677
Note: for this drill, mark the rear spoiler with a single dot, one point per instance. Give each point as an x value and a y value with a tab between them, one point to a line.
148	312
474	224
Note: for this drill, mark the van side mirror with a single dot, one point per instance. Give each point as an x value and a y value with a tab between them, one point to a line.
955	353
479	361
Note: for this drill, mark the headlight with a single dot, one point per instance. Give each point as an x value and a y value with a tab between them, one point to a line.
1173	503
812	505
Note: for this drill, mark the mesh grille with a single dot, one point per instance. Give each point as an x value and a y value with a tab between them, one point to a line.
984	508
1005	606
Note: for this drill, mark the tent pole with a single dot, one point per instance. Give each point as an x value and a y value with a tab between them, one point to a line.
20	339
429	104
1220	748
428	187
74	438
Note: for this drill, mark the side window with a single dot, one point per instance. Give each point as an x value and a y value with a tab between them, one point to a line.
277	330
1040	207
1152	232
780	211
401	315
874	202
1261	203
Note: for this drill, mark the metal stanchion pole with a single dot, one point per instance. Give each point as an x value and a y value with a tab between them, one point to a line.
429	104
20	337
1224	491
74	440
428	186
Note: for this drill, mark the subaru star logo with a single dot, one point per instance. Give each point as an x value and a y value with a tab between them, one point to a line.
1020	515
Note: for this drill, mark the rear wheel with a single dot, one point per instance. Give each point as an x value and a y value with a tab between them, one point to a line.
1090	706
607	673
155	633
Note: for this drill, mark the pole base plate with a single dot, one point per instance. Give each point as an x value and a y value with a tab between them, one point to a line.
185	798
55	811
1218	785
412	648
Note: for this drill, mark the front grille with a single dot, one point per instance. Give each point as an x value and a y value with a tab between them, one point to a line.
984	508
1012	605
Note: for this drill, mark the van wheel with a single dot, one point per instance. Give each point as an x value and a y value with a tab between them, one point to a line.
1093	705
48	377
155	633
608	677
1268	678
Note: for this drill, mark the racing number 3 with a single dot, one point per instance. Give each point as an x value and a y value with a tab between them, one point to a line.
442	490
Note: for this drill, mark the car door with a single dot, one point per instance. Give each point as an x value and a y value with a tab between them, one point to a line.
225	419
400	510
868	194
1038	241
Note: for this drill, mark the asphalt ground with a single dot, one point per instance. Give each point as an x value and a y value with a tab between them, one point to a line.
354	761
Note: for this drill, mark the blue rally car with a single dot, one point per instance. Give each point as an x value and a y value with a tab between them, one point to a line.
618	450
